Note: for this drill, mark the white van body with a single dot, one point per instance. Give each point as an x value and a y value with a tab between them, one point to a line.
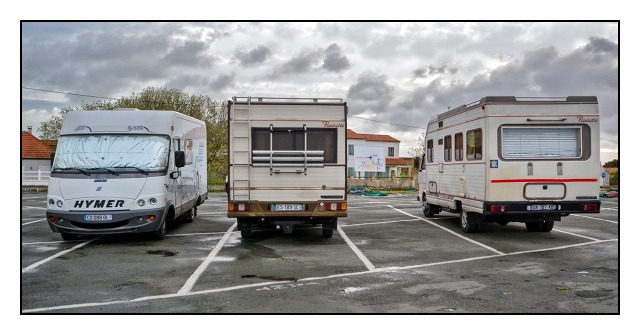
287	162
505	159
119	171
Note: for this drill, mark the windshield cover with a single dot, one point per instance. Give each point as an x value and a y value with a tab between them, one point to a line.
147	152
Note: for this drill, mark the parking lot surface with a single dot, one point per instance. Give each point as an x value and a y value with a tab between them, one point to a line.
385	257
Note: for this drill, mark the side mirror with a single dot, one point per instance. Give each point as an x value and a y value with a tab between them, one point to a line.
174	174
180	159
53	156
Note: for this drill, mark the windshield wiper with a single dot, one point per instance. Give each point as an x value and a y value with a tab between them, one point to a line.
133	167
104	168
73	168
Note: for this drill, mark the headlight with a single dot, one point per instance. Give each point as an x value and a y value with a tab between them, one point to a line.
59	203
141	202
51	202
153	201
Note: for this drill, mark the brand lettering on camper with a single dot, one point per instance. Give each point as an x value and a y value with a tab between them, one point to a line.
99	204
588	120
328	124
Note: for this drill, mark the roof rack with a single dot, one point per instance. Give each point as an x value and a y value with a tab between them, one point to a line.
275	99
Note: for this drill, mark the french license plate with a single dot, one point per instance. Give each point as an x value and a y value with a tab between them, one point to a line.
542	207
287	207
98	217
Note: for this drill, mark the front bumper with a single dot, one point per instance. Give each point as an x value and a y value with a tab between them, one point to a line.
122	222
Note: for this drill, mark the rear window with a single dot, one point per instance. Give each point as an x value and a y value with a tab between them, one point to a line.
541	142
293	139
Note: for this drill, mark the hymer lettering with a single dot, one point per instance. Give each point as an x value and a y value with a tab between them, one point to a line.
99	203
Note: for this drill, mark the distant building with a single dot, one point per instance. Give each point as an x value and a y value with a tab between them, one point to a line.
395	166
35	155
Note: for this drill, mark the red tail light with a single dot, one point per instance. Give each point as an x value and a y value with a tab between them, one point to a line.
335	206
239	207
498	208
590	207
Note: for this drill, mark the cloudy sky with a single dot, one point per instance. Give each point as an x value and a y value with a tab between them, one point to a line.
398	74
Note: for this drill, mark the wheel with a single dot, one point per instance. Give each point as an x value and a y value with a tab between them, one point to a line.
427	209
468	222
246	233
161	232
547	226
535	226
188	217
69	237
327	232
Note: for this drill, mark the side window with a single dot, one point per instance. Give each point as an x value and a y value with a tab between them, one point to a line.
430	151
447	148
188	152
474	144
459	146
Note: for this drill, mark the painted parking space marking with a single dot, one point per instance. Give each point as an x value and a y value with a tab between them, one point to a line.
591	217
188	285
78	246
310	279
450	231
356	250
26	223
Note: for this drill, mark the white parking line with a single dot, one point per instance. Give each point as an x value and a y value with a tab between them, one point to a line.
380	222
591	217
574	234
341	275
450	231
26	223
188	285
35	265
355	249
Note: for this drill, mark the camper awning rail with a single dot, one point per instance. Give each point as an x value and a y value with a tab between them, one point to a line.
288	159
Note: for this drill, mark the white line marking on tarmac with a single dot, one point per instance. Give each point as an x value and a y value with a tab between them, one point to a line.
450	231
355	249
574	234
26	223
591	217
35	265
341	275
188	285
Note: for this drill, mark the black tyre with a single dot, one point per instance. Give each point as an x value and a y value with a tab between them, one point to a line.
468	222
427	209
327	232
246	233
69	237
188	216
547	226
535	226
161	232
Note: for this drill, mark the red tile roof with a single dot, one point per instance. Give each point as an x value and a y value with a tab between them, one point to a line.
370	137
398	161
32	148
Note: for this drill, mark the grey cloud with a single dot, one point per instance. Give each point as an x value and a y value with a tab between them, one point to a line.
424	72
334	59
370	93
254	56
189	53
222	81
303	62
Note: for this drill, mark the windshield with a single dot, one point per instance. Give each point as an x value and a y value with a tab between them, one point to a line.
146	152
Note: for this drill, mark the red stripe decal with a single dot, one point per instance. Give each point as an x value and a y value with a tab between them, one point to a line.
576	180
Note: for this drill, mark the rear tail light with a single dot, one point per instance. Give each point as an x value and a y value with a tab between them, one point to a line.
498	208
239	207
590	207
335	206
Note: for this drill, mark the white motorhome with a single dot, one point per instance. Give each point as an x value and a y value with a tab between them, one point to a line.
287	163
126	171
506	159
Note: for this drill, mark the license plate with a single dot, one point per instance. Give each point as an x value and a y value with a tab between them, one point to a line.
287	207
97	217
542	207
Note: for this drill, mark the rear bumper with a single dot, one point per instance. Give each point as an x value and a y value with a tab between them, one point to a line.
538	210
310	211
